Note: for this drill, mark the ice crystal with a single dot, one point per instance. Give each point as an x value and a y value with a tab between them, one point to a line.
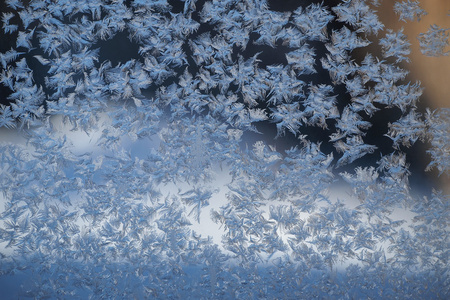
434	41
409	10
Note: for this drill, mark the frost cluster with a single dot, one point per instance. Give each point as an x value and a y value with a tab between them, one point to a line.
117	221
434	41
409	10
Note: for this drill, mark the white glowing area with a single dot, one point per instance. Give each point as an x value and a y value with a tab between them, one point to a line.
222	190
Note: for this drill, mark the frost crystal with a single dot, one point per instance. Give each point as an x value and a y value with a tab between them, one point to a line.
409	10
396	45
434	41
438	124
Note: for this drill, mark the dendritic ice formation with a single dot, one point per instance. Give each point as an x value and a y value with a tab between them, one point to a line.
199	80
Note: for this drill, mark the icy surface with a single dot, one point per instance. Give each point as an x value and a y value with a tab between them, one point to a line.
217	149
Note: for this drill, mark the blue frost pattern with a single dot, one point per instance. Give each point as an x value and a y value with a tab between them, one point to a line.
122	217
